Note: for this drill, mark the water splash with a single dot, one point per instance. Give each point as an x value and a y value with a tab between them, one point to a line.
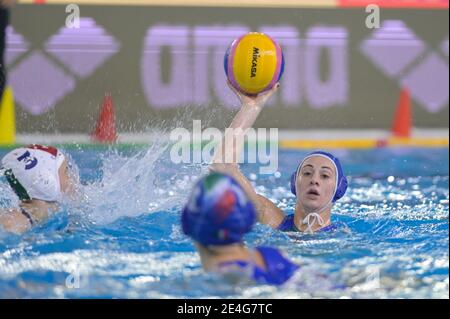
142	183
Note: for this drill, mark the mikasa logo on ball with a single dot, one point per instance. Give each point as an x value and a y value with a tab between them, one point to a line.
254	62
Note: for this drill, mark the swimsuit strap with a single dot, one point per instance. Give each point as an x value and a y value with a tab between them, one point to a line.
288	224
277	269
28	216
243	263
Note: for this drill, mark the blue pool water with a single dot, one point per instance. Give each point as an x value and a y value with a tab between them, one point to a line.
124	240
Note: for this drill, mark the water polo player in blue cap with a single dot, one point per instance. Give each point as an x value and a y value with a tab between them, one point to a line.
217	216
318	181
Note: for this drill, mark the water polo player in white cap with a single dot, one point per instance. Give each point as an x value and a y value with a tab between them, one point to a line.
39	176
318	181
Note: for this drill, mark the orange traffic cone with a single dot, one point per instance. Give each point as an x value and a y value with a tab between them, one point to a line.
105	128
401	127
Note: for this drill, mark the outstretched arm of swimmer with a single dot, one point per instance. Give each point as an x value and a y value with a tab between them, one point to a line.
228	153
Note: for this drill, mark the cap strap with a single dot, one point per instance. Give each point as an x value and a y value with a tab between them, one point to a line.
16	186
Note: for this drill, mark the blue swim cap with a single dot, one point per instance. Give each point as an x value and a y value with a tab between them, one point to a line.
218	211
341	182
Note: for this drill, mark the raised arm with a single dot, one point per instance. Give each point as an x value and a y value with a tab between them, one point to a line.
228	153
